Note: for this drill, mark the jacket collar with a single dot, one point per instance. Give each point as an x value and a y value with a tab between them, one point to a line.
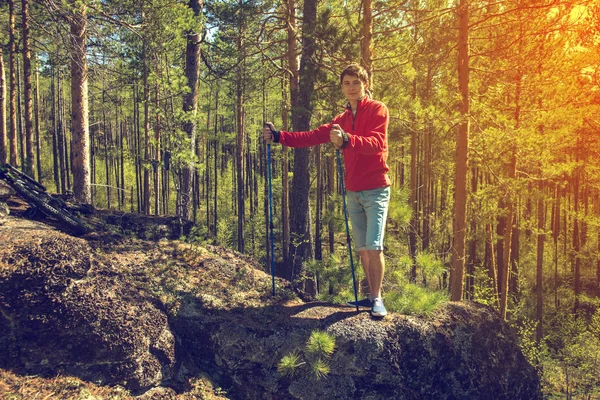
361	102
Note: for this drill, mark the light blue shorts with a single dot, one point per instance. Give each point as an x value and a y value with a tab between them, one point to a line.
368	211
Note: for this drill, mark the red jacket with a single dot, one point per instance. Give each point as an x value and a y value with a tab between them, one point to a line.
365	152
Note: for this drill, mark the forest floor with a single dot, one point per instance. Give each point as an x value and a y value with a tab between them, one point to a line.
129	254
159	267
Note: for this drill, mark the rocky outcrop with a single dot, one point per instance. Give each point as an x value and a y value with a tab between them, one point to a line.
92	312
62	310
463	351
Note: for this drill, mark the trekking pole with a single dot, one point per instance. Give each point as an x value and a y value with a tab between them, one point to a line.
341	175
271	218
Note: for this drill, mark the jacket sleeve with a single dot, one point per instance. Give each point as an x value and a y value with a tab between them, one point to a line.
306	139
373	139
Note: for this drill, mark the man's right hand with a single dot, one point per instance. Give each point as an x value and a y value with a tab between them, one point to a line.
270	134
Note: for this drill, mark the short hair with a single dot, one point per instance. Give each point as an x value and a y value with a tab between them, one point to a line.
355	70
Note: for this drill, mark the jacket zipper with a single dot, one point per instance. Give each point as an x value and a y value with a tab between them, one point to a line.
354	115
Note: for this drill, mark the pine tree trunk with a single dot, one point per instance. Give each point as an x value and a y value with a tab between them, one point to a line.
401	167
79	108
122	155
511	218
285	212
500	227
576	240
156	158
597	212
504	268
513	287
527	215
239	155
301	245
212	223
565	225
472	260
539	286
462	152
240	137
414	203
137	146
190	106
12	64
491	260
166	155
215	175
93	152
555	235
20	131
38	138
105	129
3	136
248	189
198	179
294	79
427	161
146	159
115	156
319	206
60	136
28	97
207	168
53	117
366	50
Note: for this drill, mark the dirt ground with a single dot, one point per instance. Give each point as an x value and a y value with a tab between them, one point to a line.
142	259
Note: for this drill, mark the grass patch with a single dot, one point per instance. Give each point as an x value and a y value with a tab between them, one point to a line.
415	299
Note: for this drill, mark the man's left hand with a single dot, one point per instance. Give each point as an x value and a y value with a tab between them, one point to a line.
336	135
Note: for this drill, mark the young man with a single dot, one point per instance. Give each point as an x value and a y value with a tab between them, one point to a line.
361	133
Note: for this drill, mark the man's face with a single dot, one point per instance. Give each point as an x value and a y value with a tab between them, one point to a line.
353	88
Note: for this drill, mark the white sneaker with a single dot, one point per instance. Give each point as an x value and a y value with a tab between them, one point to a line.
378	309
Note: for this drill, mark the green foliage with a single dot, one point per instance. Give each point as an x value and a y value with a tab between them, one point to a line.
320	368
225	232
582	358
532	350
197	235
319	348
399	211
289	364
573	365
594	326
415	299
321	343
484	291
430	265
